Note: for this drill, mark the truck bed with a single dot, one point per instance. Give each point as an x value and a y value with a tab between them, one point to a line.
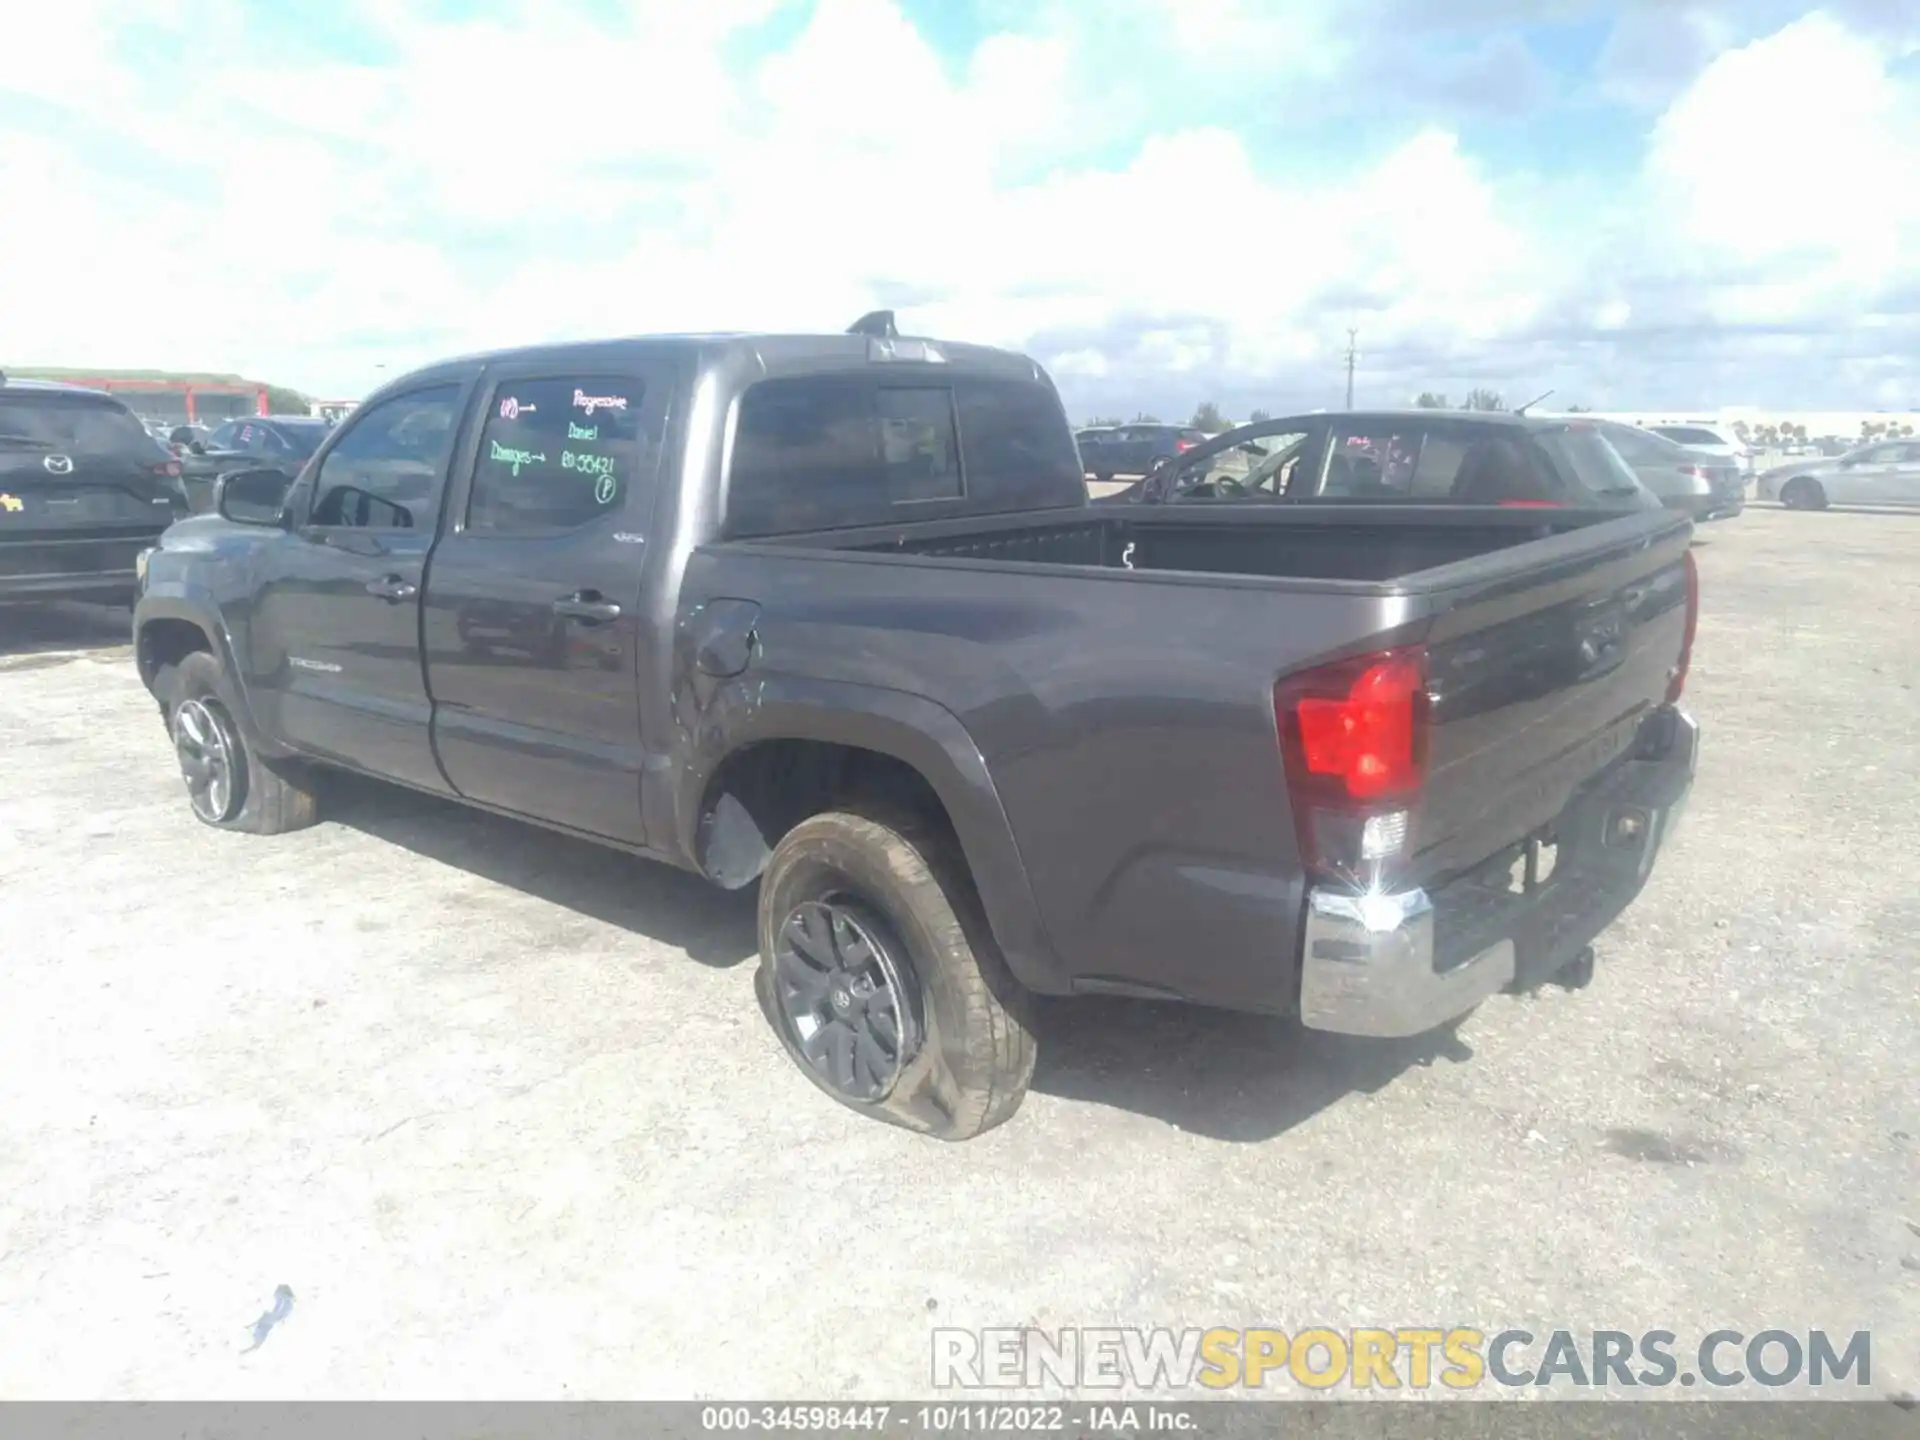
1372	544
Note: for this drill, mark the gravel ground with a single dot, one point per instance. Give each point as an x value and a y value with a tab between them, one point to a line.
498	1110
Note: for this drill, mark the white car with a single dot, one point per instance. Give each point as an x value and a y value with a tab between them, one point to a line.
1709	440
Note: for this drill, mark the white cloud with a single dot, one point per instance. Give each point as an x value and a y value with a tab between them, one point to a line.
535	174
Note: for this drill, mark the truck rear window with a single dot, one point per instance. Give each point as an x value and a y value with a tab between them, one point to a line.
832	451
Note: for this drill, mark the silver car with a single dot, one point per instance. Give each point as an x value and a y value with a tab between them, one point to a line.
1704	486
1884	473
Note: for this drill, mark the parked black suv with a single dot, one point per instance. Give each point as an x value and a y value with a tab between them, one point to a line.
1110	450
83	490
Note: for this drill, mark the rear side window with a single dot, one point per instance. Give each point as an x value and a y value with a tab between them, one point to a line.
81	426
1688	435
820	452
555	454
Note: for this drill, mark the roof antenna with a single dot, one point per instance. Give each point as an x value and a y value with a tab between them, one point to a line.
876	325
1531	403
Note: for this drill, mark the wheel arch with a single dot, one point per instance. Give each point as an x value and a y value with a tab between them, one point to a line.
778	749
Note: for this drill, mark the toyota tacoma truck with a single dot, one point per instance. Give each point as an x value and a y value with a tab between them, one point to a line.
834	615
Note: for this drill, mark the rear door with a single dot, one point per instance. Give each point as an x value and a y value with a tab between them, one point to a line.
334	641
533	625
83	487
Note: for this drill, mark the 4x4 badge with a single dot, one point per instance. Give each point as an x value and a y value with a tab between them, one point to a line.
59	464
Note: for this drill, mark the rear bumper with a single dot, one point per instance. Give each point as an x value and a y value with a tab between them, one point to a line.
1709	507
81	567
1394	965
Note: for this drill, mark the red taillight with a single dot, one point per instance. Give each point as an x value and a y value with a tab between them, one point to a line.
1353	736
1678	683
1693	470
1182	446
1368	738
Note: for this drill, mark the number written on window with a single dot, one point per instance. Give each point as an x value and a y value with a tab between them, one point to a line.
555	454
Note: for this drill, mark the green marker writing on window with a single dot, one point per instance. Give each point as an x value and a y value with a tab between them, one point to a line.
516	458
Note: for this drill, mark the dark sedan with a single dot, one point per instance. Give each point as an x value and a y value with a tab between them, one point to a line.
255	442
1423	456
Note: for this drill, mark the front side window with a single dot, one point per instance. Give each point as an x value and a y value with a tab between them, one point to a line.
384	473
1260	467
555	454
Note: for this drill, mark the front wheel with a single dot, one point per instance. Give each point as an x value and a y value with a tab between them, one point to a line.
882	980
1803	492
228	785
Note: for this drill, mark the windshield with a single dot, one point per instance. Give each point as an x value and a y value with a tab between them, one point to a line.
73	425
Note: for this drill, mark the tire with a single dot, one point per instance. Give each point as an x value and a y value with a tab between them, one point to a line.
1803	492
254	797
843	885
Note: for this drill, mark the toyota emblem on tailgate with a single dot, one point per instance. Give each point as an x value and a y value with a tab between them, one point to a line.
59	464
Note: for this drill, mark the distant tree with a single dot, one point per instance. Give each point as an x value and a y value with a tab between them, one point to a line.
1427	400
1207	417
1768	435
1870	428
1742	432
1259	417
1103	420
282	401
1905	430
1143	418
1485	400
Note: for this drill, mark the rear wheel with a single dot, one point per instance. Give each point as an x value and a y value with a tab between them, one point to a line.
1803	492
879	975
228	785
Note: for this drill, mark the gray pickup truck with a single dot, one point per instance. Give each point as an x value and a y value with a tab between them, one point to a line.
834	614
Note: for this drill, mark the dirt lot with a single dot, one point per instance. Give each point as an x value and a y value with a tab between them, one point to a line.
499	1111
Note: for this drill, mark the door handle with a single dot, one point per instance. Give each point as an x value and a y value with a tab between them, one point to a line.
588	606
392	589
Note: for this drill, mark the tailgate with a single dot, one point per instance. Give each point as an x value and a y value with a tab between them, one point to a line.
75	524
1539	679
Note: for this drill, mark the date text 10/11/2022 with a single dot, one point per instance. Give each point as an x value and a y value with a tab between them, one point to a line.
944	1419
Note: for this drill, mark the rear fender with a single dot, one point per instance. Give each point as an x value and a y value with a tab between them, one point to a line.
760	707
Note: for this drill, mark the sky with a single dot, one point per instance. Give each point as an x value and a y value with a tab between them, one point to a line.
1675	204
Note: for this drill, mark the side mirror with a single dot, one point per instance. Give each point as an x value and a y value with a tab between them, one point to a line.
251	497
198	447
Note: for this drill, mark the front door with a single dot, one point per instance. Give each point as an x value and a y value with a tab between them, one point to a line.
533	625
333	648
